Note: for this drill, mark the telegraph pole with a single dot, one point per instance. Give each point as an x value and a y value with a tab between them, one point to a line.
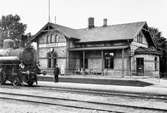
48	10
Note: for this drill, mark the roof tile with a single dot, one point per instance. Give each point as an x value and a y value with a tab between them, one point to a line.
113	32
109	33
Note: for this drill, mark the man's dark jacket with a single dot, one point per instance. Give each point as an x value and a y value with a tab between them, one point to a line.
56	71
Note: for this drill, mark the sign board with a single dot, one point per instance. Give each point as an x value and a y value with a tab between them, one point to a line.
52	45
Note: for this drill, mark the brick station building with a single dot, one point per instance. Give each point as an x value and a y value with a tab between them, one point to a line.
113	50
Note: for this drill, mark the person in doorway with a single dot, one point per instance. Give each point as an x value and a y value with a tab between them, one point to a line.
56	73
62	70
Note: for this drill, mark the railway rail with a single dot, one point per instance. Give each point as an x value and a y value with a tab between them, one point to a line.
90	105
83	104
106	93
94	92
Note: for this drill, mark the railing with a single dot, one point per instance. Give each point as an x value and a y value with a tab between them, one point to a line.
116	73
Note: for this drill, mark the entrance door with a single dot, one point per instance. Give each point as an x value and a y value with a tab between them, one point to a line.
140	66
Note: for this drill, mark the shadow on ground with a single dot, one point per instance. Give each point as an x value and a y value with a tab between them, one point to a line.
99	81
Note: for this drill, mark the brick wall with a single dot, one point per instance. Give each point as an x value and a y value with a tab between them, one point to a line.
149	65
149	60
59	48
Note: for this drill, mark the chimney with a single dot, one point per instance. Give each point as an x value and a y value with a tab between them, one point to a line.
105	22
91	22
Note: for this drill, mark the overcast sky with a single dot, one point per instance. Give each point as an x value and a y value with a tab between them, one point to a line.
75	13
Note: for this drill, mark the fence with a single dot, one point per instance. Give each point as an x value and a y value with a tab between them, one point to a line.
115	73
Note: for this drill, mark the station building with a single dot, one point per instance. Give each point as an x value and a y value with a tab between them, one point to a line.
113	50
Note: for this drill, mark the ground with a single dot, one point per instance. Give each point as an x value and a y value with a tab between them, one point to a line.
7	106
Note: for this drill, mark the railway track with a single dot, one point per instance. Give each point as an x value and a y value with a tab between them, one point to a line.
79	104
106	93
93	92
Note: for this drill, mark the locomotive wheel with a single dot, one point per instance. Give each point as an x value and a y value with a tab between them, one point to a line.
16	81
30	83
3	78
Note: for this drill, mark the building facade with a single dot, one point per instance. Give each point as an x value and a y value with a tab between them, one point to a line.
114	50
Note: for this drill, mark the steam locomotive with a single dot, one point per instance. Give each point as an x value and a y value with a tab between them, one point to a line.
18	66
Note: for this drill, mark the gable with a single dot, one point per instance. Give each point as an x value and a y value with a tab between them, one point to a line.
140	40
66	31
51	37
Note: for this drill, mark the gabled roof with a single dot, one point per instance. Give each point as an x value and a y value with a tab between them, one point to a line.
69	32
113	32
126	31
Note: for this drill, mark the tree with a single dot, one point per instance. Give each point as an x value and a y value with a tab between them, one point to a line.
11	27
26	40
158	39
161	44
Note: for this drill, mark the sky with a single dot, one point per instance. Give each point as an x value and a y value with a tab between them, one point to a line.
75	13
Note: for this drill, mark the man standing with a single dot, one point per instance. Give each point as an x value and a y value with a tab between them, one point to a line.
56	73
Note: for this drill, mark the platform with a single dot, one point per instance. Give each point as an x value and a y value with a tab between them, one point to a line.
134	85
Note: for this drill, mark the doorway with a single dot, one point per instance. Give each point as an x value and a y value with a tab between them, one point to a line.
140	66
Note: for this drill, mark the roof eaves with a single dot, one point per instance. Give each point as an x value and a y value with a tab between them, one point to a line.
34	36
52	24
138	31
152	39
106	40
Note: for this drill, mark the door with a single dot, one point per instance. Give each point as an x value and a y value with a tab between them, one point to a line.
140	66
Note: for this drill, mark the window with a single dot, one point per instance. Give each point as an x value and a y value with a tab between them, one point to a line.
49	60
52	59
56	38
109	60
52	38
48	39
86	63
140	38
156	64
54	62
